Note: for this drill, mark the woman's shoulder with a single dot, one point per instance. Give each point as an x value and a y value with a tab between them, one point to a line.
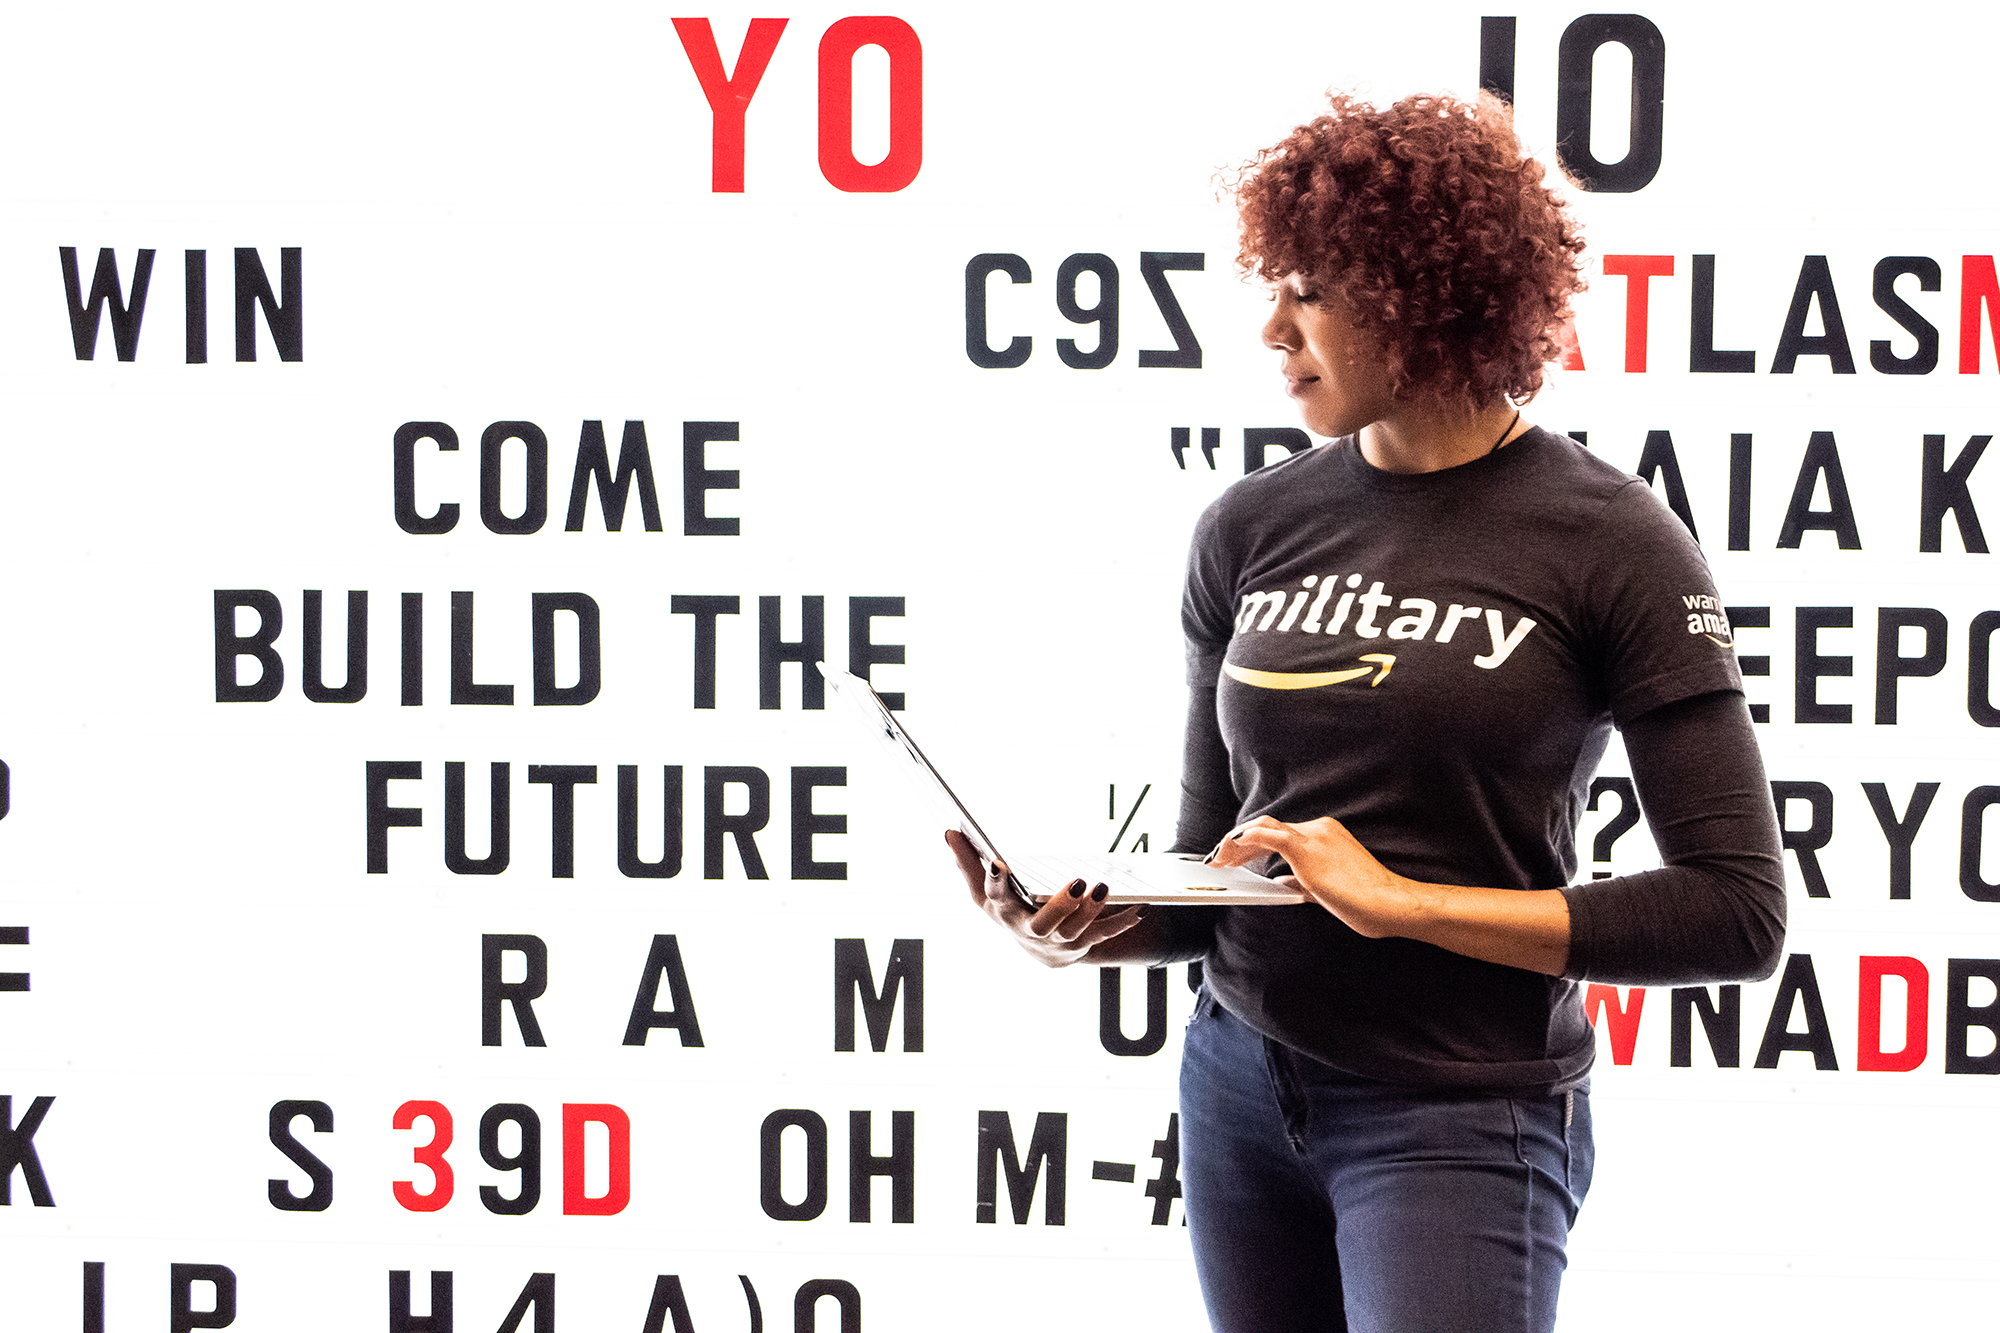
1579	470
1271	492
1297	478
1579	490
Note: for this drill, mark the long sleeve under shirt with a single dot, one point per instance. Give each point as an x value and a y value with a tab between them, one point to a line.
1437	660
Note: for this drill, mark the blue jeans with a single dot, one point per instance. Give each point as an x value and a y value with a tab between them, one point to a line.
1320	1201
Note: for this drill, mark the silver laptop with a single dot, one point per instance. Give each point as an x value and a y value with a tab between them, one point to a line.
1134	877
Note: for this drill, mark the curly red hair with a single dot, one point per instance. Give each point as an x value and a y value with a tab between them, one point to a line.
1435	227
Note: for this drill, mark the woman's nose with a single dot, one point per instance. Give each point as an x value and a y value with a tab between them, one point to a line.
1280	333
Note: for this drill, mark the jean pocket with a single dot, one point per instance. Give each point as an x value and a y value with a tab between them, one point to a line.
1204	1005
1579	1143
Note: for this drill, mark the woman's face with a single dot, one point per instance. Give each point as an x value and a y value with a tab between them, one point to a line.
1333	369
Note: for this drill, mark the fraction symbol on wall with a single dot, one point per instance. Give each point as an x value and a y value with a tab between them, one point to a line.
1141	843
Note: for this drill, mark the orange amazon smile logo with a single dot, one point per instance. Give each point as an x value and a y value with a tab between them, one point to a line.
1312	680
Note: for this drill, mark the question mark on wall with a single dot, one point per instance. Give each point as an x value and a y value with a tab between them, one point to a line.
1618	825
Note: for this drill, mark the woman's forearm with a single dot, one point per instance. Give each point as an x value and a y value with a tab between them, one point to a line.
1526	930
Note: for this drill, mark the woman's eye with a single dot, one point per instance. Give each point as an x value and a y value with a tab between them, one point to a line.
1308	298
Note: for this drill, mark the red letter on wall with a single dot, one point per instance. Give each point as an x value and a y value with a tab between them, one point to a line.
428	1155
836	105
1638	271
1622	1019
1868	1052
728	95
1977	286
618	1188
1572	351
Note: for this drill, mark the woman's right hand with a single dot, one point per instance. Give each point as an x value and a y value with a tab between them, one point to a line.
1060	932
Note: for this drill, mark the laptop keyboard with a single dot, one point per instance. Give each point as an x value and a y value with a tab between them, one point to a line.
1047	876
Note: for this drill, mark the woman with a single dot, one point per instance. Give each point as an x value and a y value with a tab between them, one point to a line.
1384	1120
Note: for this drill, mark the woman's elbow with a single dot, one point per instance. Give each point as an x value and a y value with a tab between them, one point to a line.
1759	938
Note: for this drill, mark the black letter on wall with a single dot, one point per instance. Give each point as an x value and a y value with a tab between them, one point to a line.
381	815
286	316
1890	664
1721	1023
562	781
977	349
1154	265
852	978
806	822
744	827
230	646
1822	458
1900	833
1815	283
635	460
1979	670
1110	1002
465	689
1945	490
1807	841
663	961
1881	355
697	479
182	1316
704	608
1809	664
104	289
1961	1015
629	863
589	649
1703	358
400	1318
407	517
771	1147
1574	59
1798	983
1049	1143
535	507
314	682
863	654
499	822
1971	843
522	994
900	1165
320	1197
805	1318
773	651
17	1149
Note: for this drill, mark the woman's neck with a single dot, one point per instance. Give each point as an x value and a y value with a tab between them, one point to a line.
1429	438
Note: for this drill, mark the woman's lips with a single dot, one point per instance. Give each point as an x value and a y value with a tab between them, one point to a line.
1296	385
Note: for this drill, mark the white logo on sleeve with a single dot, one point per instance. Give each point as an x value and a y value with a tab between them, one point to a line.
1706	617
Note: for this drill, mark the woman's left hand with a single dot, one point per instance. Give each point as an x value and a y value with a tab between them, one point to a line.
1527	929
1327	863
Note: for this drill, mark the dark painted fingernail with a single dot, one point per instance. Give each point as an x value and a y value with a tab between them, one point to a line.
1076	888
1098	894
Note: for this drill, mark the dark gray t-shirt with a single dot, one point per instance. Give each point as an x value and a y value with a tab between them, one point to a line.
1437	660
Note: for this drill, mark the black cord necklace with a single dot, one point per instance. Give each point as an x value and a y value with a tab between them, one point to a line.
1503	434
